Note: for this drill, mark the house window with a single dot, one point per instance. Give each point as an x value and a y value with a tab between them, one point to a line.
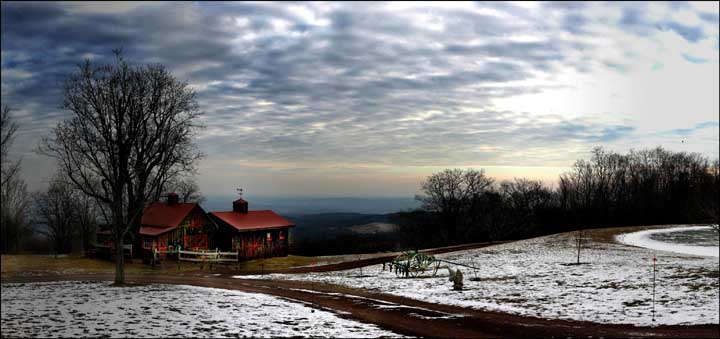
269	236
282	235
147	244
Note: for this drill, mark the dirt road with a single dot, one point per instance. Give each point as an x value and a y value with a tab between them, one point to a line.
350	264
403	315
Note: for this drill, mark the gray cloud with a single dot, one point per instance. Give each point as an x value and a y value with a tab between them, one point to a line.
332	83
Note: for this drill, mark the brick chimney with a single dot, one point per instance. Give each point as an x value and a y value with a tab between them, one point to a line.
240	206
172	199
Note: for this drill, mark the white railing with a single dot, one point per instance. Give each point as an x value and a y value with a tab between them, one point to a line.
204	256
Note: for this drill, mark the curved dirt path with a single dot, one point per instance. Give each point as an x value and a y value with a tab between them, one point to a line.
404	315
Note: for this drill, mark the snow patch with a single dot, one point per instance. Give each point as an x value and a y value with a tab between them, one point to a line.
95	309
533	278
642	239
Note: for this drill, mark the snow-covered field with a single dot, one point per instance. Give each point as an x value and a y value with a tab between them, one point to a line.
533	277
93	309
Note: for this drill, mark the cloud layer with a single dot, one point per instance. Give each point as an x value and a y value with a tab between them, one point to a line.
347	88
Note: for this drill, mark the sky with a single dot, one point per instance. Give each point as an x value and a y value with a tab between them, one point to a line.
368	99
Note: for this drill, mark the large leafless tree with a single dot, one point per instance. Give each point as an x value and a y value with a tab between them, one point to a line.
132	131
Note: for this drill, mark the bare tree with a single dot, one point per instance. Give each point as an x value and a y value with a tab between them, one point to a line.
14	198
57	209
451	194
187	190
8	128
14	213
132	132
579	242
68	214
711	206
87	219
525	200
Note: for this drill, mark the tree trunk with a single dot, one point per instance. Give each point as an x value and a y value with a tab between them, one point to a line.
82	241
119	260
579	246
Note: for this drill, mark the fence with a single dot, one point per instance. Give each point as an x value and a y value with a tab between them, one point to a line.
204	256
208	256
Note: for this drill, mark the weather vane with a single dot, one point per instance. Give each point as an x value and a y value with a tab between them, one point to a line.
240	191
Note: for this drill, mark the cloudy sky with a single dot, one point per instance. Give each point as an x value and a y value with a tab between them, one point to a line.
366	99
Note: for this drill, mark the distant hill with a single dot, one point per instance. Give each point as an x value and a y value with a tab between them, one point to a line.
327	226
336	221
342	233
375	228
316	205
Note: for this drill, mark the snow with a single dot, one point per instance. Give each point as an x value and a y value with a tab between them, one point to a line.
642	239
92	309
535	277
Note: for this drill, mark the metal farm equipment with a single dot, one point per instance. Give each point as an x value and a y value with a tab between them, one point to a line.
413	263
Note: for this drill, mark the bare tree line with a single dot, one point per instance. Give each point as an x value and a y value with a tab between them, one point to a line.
68	215
14	197
654	186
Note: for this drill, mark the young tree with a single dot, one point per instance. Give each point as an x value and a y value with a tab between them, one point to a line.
132	132
14	198
578	240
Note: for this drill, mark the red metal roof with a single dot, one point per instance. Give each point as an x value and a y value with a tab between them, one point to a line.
161	217
253	220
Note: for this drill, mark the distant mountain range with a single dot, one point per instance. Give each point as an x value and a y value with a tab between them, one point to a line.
343	233
336	222
327	226
316	205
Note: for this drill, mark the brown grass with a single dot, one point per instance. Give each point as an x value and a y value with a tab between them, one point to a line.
28	265
275	263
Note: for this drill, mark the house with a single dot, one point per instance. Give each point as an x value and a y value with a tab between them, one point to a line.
253	234
172	224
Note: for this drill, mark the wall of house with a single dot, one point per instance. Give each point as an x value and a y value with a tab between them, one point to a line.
261	244
194	233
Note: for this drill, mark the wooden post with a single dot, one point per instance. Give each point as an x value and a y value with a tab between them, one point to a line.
653	291
361	269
